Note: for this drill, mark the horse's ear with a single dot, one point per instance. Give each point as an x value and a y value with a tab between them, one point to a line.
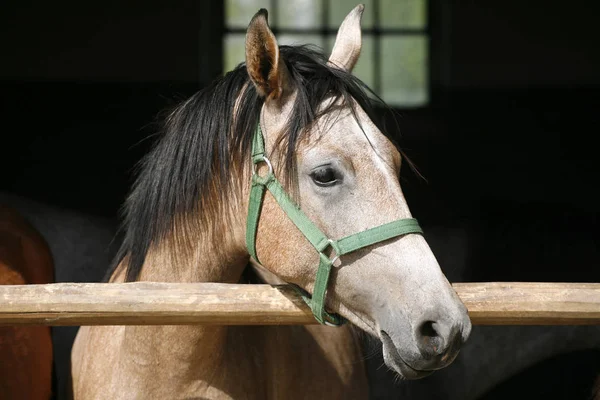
348	42
265	66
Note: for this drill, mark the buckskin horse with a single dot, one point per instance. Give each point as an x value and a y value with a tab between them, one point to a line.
275	162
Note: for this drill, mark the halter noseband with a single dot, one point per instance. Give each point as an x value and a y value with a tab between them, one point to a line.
318	239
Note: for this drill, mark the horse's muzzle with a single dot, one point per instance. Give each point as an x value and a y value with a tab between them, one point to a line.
435	345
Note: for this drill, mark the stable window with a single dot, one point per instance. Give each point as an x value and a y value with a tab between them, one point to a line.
395	53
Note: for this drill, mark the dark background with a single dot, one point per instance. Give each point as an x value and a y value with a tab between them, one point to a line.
507	144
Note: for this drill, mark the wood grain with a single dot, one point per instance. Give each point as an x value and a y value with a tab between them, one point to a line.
531	303
155	303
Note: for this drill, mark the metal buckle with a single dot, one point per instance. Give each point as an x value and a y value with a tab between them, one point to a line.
266	161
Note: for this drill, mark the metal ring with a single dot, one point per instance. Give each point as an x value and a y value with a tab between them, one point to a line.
266	161
337	257
339	318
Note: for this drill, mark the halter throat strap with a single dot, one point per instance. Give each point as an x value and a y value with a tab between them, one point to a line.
322	244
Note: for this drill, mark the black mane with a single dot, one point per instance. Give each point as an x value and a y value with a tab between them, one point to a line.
189	168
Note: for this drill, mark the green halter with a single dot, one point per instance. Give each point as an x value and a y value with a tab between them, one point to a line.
317	238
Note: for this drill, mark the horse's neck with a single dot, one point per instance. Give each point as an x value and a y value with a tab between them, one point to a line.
200	263
205	361
182	350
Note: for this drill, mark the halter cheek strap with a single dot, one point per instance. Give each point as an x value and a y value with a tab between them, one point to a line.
321	243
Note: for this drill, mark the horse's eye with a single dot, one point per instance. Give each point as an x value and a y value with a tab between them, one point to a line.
324	176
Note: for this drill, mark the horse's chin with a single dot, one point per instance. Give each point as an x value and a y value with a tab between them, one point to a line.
394	361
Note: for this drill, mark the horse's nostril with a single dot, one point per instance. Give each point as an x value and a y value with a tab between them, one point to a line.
427	329
429	340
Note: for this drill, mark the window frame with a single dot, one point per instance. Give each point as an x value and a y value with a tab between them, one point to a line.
376	32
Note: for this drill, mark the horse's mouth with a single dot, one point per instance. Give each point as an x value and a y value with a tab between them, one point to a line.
392	359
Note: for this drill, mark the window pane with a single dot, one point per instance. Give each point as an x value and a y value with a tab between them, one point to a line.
364	69
307	38
403	13
404	70
238	13
234	52
340	8
299	14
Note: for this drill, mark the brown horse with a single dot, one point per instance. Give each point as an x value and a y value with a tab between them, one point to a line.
25	352
197	214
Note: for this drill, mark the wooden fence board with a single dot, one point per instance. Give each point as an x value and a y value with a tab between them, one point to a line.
156	303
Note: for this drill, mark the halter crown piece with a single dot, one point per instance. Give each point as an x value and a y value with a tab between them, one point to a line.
318	239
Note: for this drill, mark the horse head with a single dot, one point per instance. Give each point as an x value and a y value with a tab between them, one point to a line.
343	172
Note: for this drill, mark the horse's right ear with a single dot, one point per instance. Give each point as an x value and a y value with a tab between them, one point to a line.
265	66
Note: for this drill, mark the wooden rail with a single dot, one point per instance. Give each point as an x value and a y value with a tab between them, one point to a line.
146	303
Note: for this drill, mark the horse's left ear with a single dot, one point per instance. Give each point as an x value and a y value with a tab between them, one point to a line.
348	41
263	62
